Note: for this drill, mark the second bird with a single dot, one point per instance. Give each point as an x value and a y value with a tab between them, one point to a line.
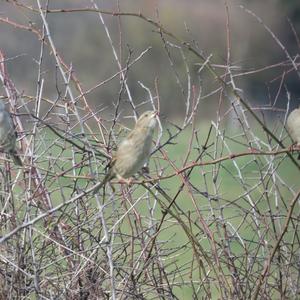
8	135
293	126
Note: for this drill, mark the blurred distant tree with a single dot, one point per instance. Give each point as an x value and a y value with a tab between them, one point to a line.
291	39
293	9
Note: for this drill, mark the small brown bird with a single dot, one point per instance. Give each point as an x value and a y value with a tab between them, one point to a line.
134	151
293	126
8	135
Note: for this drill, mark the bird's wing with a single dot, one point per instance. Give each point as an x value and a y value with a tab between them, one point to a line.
8	134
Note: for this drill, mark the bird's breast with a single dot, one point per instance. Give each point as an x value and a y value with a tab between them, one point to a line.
133	154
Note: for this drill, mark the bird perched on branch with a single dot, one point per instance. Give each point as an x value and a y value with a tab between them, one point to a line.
8	135
134	151
293	126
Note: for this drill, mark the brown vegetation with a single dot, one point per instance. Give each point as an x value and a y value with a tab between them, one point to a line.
216	216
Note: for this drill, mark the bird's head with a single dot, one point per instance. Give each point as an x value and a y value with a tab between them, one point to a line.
147	120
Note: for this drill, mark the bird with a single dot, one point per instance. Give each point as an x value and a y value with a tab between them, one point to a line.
293	126
133	152
8	135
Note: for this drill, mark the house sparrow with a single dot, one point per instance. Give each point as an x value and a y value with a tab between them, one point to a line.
8	135
293	126
134	151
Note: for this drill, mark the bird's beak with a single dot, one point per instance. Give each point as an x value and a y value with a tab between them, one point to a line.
155	113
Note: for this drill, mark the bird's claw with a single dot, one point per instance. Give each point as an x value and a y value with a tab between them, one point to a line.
125	181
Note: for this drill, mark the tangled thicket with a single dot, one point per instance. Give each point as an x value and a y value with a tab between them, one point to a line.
216	216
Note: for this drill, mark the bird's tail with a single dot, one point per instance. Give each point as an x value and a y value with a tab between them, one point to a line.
299	156
17	159
109	176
